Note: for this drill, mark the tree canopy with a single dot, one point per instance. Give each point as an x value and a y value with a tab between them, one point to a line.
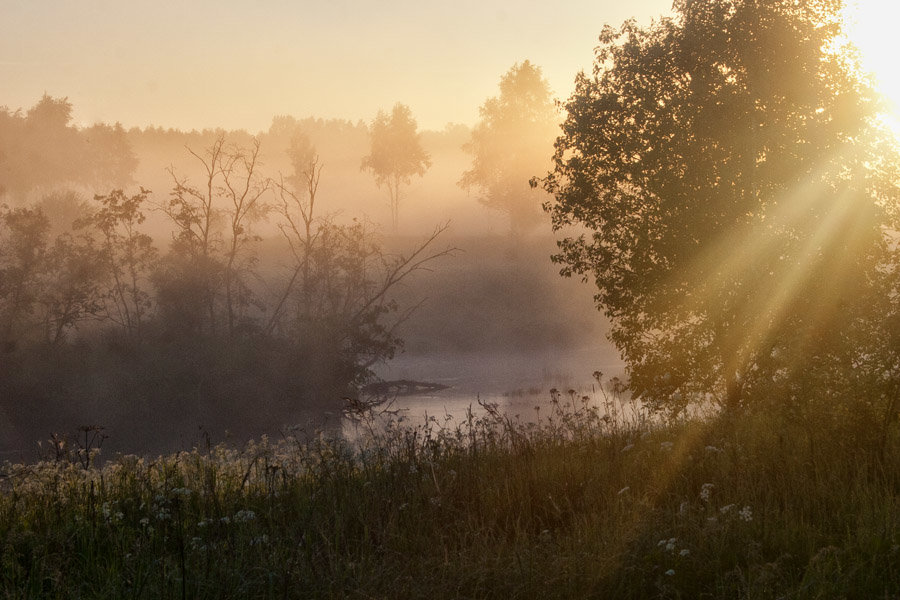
725	180
396	154
509	145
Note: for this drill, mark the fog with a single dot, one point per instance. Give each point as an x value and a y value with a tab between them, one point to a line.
168	312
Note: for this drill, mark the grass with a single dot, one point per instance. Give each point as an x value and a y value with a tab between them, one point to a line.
576	506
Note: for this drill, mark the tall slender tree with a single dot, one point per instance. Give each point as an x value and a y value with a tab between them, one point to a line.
511	144
396	154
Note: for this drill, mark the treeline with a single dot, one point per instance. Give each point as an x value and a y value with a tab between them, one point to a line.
40	149
102	324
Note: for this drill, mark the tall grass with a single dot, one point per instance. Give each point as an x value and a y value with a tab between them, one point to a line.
578	504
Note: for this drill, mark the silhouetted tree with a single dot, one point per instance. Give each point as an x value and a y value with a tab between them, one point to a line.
46	288
396	154
727	166
220	254
70	292
336	306
511	144
128	259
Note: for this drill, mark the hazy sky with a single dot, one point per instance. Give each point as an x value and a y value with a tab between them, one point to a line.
208	63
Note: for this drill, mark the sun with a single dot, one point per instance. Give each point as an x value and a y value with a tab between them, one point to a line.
872	27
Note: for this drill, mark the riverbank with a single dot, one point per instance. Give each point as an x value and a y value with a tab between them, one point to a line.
578	505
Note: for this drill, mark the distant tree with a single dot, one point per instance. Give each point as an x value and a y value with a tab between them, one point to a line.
396	154
727	166
511	144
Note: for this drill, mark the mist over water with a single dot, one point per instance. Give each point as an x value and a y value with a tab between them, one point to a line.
490	319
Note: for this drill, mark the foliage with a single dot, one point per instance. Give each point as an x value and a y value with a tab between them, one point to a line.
510	145
396	153
737	191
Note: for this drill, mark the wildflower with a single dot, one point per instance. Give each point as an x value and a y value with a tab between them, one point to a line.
181	491
144	522
623	490
684	552
670	572
244	516
670	544
628	447
705	491
666	446
727	508
712	450
746	514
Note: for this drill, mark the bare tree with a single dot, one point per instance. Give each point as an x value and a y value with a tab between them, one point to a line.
214	224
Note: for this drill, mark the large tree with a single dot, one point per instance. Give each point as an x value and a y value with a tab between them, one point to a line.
510	143
721	179
396	153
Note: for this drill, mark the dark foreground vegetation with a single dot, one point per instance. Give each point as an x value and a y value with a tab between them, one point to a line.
590	502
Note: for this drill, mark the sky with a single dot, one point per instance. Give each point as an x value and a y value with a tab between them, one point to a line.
222	63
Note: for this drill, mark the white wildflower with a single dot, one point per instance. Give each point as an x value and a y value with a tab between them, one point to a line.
670	544
666	446
144	522
712	450
670	572
726	509
705	491
684	552
624	490
244	516
746	514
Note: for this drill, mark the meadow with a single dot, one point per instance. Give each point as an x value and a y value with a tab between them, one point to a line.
596	499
